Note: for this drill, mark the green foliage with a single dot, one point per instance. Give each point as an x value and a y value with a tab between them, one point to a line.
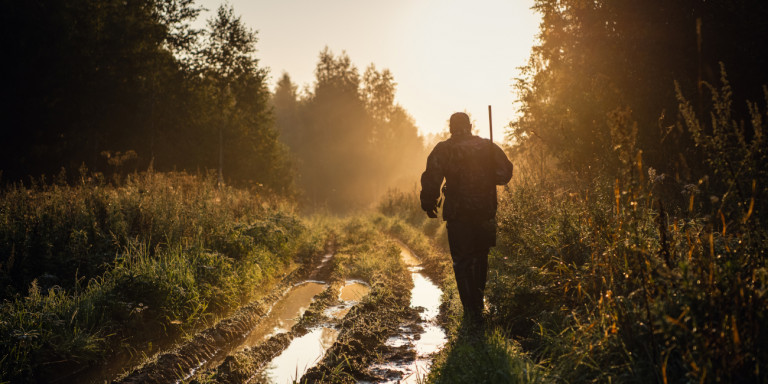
94	269
133	77
602	74
635	273
485	358
614	289
364	254
56	233
228	53
405	206
735	154
238	107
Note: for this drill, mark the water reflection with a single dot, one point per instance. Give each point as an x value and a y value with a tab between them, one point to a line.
286	312
351	293
425	295
303	353
306	351
354	291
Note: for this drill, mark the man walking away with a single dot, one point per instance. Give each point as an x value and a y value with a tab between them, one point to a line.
471	167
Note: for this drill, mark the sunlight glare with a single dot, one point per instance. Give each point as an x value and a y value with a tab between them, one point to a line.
446	56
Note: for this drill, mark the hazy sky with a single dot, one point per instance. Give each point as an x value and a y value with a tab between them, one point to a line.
445	55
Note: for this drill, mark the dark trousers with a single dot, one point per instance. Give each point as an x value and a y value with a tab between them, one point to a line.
470	241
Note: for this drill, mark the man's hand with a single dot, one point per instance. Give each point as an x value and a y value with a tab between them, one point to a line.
430	209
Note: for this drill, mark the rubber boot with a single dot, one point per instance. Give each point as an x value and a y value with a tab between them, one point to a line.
479	278
476	281
464	286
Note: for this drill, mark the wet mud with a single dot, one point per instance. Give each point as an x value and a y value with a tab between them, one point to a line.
214	343
409	353
283	315
313	328
390	338
285	356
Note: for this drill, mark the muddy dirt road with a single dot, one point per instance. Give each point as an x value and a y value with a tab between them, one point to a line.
319	325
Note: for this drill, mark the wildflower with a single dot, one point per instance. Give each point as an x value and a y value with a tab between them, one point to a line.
653	177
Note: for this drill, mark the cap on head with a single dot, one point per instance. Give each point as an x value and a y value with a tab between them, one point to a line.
459	123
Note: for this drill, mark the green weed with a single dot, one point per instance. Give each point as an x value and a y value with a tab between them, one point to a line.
106	268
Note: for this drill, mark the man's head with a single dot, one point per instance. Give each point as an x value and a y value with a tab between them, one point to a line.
460	123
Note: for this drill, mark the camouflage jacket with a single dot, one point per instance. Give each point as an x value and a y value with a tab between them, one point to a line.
472	167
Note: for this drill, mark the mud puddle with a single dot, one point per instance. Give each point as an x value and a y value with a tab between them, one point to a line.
281	317
350	294
303	353
425	338
286	312
306	351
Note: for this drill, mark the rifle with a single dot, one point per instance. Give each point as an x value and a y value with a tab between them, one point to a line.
490	124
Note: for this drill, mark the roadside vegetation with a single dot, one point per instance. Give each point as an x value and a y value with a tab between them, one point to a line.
632	241
98	269
640	278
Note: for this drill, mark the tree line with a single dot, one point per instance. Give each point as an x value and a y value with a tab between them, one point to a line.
351	139
120	86
605	84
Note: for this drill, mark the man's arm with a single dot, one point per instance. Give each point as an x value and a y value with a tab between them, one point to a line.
431	180
503	166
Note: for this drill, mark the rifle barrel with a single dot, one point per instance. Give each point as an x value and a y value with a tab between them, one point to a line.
490	123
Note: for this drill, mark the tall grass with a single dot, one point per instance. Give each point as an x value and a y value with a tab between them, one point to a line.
93	269
620	292
623	281
405	207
